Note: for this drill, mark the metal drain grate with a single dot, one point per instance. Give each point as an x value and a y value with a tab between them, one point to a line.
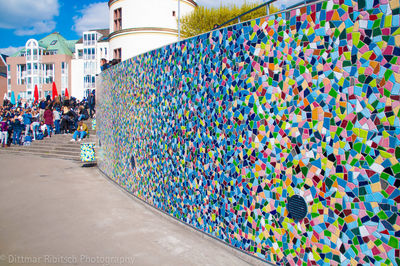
133	164
297	207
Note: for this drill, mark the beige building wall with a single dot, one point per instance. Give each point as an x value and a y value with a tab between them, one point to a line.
3	80
57	60
45	59
13	62
3	88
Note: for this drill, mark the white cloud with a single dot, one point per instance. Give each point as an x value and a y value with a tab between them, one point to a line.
28	17
37	28
93	16
10	50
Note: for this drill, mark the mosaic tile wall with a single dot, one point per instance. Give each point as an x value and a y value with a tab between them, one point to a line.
221	129
88	152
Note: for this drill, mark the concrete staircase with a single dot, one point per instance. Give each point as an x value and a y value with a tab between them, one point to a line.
58	146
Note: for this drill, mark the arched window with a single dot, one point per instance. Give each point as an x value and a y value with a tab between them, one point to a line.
32	50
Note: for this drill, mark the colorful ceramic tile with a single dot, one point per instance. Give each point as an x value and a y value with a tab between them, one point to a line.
88	152
220	130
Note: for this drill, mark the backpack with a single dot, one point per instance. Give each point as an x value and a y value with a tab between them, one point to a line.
28	139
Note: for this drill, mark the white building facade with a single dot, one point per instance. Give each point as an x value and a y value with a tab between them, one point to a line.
89	50
138	26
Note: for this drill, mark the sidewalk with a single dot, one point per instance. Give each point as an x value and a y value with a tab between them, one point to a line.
54	212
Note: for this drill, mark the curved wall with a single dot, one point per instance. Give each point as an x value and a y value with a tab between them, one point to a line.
137	13
144	40
221	129
144	26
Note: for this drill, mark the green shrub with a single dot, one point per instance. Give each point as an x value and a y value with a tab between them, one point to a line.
203	19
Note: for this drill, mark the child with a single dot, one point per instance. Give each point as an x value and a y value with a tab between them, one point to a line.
43	128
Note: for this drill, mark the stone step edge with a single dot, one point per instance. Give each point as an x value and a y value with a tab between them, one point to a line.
58	153
65	157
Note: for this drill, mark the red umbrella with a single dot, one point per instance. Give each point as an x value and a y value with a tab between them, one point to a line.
54	91
66	93
36	94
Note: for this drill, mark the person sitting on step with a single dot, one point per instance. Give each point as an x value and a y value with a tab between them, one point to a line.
4	131
80	132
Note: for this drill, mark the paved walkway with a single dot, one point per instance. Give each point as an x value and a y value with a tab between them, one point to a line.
54	212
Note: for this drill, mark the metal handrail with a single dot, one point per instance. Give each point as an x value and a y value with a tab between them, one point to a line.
245	13
303	2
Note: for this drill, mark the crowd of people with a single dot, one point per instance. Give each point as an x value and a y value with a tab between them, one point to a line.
22	123
104	64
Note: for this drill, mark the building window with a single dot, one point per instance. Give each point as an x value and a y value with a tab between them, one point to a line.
50	52
117	53
105	51
48	73
64	68
21	74
118	19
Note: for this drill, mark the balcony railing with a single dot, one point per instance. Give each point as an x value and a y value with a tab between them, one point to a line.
89	43
89	57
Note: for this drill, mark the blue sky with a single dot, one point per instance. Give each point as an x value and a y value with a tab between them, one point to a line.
21	20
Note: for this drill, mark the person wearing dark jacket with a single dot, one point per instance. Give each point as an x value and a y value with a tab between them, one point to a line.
74	117
57	103
103	64
83	113
91	103
27	119
10	130
42	107
17	127
68	120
